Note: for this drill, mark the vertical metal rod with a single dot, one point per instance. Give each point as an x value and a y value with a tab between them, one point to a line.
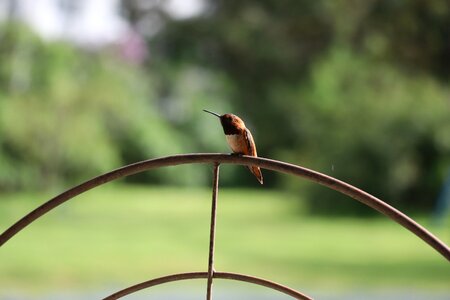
212	232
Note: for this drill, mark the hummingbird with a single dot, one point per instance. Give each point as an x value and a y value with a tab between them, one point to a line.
239	138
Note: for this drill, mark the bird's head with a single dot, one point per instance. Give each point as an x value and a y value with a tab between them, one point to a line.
231	124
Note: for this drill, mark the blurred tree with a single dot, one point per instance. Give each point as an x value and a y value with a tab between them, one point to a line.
357	87
366	123
66	115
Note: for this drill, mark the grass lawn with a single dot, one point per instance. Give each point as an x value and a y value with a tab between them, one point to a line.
119	235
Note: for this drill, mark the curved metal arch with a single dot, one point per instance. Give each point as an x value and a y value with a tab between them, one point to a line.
265	163
200	275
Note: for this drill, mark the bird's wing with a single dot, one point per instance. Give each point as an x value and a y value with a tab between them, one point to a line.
250	143
252	151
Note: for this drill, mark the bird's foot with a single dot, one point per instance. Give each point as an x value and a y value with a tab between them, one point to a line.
236	154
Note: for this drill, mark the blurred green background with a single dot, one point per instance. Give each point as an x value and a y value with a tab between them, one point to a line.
358	90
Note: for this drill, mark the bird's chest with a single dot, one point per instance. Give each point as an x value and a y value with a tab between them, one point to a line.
237	143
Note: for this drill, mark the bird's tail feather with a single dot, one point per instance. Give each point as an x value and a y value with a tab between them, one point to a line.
257	172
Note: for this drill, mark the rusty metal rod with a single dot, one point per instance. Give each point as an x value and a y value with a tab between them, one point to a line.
212	231
198	275
265	163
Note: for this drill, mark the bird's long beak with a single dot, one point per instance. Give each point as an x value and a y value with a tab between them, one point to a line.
213	113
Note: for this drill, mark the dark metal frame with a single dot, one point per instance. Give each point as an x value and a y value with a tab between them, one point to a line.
217	275
216	160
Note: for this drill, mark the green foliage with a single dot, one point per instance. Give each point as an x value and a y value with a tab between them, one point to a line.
357	90
368	124
67	115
